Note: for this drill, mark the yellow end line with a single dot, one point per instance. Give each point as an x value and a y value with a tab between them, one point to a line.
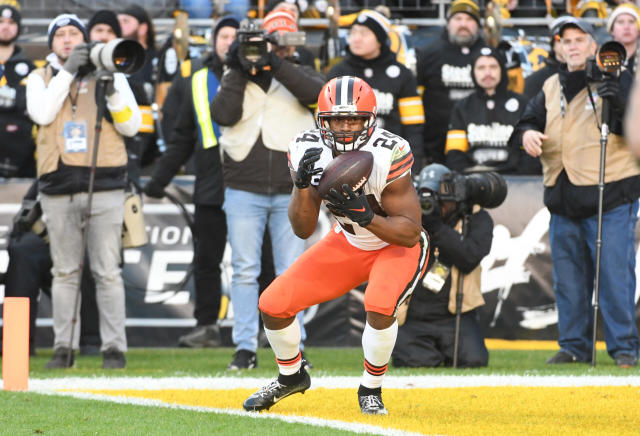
504	344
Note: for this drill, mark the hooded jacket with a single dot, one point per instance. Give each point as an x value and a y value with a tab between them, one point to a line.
481	126
444	71
17	146
400	109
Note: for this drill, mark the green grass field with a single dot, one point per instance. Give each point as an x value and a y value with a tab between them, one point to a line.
32	413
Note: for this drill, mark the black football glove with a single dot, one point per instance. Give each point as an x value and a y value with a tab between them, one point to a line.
353	206
306	168
611	90
153	189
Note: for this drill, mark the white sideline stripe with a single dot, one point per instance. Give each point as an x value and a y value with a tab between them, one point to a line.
318	422
391	382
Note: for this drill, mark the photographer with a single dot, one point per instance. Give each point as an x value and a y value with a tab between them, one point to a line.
427	337
61	99
561	125
263	102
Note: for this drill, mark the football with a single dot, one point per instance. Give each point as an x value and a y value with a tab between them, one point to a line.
352	168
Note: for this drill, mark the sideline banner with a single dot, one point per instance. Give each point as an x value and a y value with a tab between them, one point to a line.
516	281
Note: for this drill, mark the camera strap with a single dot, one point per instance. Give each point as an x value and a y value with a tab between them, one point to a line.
593	105
74	99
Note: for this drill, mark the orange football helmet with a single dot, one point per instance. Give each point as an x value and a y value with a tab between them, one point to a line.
348	97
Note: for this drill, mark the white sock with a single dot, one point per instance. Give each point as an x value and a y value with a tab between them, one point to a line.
286	346
377	346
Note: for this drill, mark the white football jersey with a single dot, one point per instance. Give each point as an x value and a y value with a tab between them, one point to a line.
392	159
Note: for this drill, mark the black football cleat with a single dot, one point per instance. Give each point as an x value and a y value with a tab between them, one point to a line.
274	392
372	405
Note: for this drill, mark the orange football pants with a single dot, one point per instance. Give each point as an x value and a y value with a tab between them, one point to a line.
332	267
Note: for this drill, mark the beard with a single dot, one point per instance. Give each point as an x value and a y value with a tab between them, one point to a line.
465	40
4	42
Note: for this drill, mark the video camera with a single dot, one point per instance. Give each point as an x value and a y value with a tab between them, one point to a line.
607	62
253	49
438	183
117	56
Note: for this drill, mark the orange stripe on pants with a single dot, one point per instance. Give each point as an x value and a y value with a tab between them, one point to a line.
333	267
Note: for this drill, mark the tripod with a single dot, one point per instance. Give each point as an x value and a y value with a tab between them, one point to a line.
101	85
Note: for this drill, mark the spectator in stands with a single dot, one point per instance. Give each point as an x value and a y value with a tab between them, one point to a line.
533	83
369	57
255	165
17	149
65	143
427	336
444	72
303	55
137	25
482	123
623	27
559	126
194	133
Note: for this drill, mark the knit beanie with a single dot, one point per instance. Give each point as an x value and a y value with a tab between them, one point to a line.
625	8
11	9
66	20
227	21
466	6
376	22
107	17
280	21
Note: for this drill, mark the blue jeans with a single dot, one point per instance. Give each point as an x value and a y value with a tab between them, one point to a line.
248	214
573	253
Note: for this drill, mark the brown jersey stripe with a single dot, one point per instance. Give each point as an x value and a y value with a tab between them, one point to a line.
400	171
401	160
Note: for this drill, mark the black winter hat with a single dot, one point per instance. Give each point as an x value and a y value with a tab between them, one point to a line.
107	17
466	6
227	21
11	9
378	23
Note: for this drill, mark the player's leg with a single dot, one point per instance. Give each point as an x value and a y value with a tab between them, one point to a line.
393	277
326	271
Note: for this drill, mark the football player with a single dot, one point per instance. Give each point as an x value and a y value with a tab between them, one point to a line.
378	238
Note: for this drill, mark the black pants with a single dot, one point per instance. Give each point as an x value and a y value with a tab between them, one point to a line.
430	343
211	239
29	271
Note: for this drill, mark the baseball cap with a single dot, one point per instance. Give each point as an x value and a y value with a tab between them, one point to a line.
574	22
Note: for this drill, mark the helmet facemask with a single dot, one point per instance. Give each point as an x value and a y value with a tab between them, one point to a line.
342	142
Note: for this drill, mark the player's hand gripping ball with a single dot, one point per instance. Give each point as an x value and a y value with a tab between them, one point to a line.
352	168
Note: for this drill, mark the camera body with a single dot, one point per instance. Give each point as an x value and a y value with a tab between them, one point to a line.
437	184
253	48
117	56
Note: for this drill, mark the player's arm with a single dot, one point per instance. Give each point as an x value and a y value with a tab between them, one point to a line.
402	225
304	209
304	206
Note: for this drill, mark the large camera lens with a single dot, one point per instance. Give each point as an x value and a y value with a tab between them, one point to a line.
486	189
118	56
